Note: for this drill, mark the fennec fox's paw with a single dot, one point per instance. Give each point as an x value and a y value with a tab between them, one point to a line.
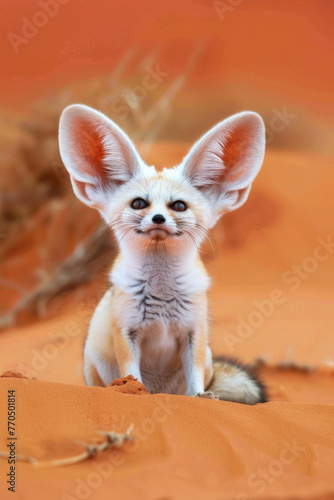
207	395
233	381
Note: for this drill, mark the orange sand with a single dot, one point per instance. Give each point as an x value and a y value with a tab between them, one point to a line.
185	448
128	385
189	448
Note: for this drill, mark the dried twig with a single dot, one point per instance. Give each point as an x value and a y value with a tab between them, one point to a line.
113	440
283	365
78	268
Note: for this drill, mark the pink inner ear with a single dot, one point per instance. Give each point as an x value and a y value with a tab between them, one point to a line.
90	149
237	149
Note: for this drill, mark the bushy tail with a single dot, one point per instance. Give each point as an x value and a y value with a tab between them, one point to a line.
233	381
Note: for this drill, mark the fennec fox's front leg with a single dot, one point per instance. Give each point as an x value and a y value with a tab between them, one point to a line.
197	359
194	361
100	366
109	353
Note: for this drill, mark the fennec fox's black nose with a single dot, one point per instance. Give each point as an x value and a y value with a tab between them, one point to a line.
158	219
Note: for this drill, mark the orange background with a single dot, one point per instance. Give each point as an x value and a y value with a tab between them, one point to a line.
263	55
260	55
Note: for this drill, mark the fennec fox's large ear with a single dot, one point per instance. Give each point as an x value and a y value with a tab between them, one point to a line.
226	160
98	155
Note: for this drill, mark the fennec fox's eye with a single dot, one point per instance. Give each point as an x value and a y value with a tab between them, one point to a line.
139	204
178	206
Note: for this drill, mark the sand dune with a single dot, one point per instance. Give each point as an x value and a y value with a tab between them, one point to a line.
184	448
188	448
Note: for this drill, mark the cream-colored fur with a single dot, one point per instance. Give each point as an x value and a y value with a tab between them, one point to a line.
153	321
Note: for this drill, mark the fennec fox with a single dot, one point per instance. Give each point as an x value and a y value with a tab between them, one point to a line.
153	321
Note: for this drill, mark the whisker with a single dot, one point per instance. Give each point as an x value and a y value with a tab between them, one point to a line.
125	233
201	232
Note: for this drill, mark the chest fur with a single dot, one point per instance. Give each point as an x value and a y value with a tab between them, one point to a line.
162	298
163	294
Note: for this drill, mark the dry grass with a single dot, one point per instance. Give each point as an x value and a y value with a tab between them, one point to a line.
37	203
